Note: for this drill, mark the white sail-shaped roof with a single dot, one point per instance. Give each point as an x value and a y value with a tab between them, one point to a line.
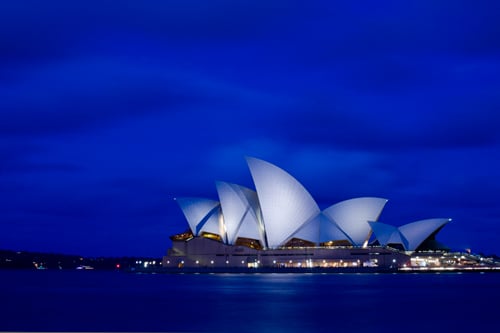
282	209
198	211
214	224
239	208
285	204
320	229
352	216
387	234
417	232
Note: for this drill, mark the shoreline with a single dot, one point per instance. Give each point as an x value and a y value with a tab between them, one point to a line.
316	270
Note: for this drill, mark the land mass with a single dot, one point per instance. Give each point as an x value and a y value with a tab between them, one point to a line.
10	259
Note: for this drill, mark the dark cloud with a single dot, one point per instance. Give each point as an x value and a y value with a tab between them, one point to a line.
81	93
394	123
34	31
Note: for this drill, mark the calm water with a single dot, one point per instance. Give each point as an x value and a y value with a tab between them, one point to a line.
113	301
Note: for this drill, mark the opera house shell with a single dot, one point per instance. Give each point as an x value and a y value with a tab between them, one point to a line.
279	224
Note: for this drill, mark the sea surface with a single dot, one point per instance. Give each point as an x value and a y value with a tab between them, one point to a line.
117	301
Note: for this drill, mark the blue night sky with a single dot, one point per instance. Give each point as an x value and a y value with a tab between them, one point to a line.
110	109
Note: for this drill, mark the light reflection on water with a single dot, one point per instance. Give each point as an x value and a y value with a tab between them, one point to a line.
111	301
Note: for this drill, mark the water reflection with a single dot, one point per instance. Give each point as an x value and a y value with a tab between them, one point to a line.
106	301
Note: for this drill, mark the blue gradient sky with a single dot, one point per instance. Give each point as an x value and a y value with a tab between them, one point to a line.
110	109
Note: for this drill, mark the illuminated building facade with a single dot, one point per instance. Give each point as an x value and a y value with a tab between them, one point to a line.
279	225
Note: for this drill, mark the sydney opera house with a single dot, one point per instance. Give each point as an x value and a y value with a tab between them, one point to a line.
279	225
